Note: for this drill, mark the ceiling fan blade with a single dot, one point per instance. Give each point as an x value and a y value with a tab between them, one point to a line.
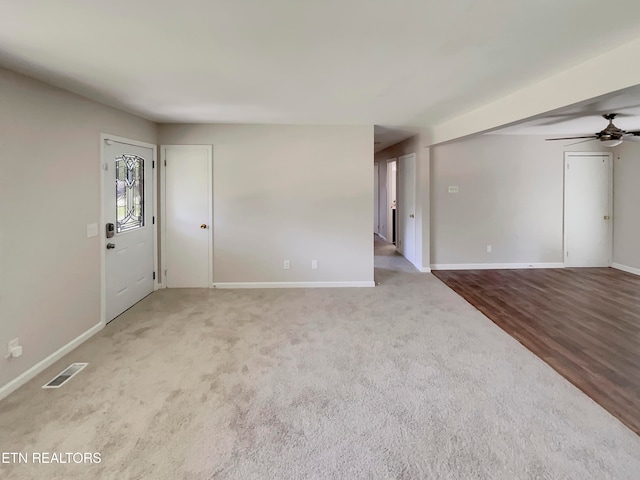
582	141
631	137
572	138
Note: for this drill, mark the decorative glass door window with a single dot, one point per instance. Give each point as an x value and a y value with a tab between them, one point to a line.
129	193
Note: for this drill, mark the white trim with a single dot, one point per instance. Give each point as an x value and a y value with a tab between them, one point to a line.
42	365
625	268
567	156
163	207
103	240
425	269
492	266
291	284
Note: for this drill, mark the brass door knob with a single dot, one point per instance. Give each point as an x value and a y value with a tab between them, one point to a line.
606	217
110	246
412	216
204	225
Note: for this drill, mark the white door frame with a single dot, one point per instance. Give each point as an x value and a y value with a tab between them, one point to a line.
376	198
387	207
101	225
163	208
567	156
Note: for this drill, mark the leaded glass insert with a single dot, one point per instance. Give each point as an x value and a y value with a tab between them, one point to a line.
129	193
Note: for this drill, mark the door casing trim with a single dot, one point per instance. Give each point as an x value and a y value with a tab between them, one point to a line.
101	225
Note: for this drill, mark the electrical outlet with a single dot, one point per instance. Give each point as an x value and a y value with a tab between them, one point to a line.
489	248
454	189
287	264
314	264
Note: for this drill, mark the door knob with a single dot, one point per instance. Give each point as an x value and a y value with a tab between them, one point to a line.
412	215
606	217
110	246
204	225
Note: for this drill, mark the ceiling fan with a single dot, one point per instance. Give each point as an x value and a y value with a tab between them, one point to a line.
611	136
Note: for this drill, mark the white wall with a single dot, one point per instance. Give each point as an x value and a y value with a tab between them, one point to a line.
288	192
626	203
511	197
49	192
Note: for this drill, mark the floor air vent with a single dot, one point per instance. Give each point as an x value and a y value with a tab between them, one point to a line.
64	376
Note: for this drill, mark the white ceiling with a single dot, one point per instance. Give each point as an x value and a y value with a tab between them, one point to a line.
584	118
391	63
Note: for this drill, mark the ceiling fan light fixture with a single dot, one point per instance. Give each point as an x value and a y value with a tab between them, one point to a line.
614	142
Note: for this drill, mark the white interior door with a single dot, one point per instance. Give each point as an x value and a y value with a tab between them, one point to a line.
376	200
188	215
128	214
407	206
587	211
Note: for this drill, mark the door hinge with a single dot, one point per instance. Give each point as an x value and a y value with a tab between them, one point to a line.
165	163
567	166
567	253
154	275
105	166
153	220
153	164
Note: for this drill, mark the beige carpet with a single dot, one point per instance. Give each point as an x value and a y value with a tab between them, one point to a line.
404	381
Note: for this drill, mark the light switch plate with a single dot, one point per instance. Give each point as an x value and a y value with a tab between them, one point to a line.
454	189
92	230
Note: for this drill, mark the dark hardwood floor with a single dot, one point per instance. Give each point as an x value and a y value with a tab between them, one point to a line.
584	322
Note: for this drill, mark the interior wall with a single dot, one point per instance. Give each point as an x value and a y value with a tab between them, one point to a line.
412	145
626	200
510	197
49	192
281	192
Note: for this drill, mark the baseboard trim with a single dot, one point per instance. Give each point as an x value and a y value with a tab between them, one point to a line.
382	236
42	365
625	268
292	284
493	266
425	269
158	286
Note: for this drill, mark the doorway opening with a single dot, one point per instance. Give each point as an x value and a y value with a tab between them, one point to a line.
392	201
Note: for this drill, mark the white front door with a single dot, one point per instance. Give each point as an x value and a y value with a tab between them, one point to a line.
407	206
188	214
587	210
128	214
